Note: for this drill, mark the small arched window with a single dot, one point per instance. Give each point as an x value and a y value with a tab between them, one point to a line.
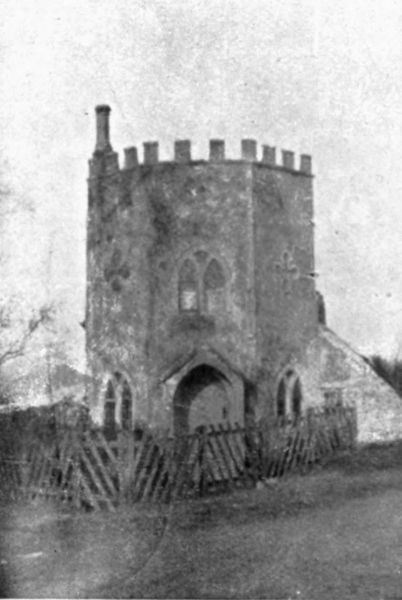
214	287
188	287
296	399
289	395
110	408
126	407
118	408
281	400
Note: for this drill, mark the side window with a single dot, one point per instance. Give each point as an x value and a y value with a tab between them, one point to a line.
214	287
109	418
118	407
289	396
188	287
281	399
126	407
296	399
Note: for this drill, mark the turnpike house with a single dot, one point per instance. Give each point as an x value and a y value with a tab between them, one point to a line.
201	299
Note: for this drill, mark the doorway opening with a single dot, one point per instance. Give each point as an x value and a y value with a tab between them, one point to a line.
203	397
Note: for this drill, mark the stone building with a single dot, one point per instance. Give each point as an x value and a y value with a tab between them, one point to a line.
201	298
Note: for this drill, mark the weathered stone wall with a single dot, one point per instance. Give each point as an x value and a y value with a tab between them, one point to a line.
143	222
202	210
118	292
286	315
337	373
254	217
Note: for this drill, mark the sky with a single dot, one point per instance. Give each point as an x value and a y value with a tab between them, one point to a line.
316	77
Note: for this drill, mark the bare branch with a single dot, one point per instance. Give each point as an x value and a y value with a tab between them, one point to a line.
15	348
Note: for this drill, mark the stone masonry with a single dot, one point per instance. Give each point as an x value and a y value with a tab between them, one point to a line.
201	299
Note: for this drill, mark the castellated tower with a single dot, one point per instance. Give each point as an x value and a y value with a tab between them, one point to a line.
200	284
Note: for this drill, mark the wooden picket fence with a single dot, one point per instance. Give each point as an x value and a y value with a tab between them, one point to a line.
86	469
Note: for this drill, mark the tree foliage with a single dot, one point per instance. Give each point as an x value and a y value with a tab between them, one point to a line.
389	370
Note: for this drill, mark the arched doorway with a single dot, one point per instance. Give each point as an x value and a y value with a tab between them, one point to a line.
202	398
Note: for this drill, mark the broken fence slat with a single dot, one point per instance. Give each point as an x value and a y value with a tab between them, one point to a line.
183	477
219	456
102	467
234	467
91	476
143	468
106	447
234	451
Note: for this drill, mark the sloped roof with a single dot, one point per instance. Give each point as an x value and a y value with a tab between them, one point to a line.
353	356
65	376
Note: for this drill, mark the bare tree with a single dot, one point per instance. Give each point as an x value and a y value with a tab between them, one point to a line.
20	320
14	336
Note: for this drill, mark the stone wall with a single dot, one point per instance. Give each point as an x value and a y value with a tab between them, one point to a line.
146	220
337	373
143	223
286	315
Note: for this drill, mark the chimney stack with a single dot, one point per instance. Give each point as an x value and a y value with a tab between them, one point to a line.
102	129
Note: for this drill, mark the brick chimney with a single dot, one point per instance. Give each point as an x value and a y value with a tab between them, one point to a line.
102	129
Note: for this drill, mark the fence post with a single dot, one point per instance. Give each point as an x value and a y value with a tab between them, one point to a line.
265	439
201	459
24	469
353	426
253	452
130	462
76	476
121	464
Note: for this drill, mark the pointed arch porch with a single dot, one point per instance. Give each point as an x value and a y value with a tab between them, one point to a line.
204	390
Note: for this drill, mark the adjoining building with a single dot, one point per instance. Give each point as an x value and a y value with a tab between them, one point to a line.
201	299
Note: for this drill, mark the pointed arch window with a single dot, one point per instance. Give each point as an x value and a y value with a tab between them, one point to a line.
110	408
188	287
281	400
289	396
214	287
296	399
126	407
118	407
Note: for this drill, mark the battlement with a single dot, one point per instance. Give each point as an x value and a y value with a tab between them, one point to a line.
182	152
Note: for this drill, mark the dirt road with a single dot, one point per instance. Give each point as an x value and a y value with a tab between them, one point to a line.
349	545
353	550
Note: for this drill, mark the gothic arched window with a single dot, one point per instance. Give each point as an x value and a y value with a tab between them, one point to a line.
109	420
188	286
289	395
118	408
281	399
126	407
214	287
296	399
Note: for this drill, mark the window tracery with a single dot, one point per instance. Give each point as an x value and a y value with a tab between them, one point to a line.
188	286
214	287
201	284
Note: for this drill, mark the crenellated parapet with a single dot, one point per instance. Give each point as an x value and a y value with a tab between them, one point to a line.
105	160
